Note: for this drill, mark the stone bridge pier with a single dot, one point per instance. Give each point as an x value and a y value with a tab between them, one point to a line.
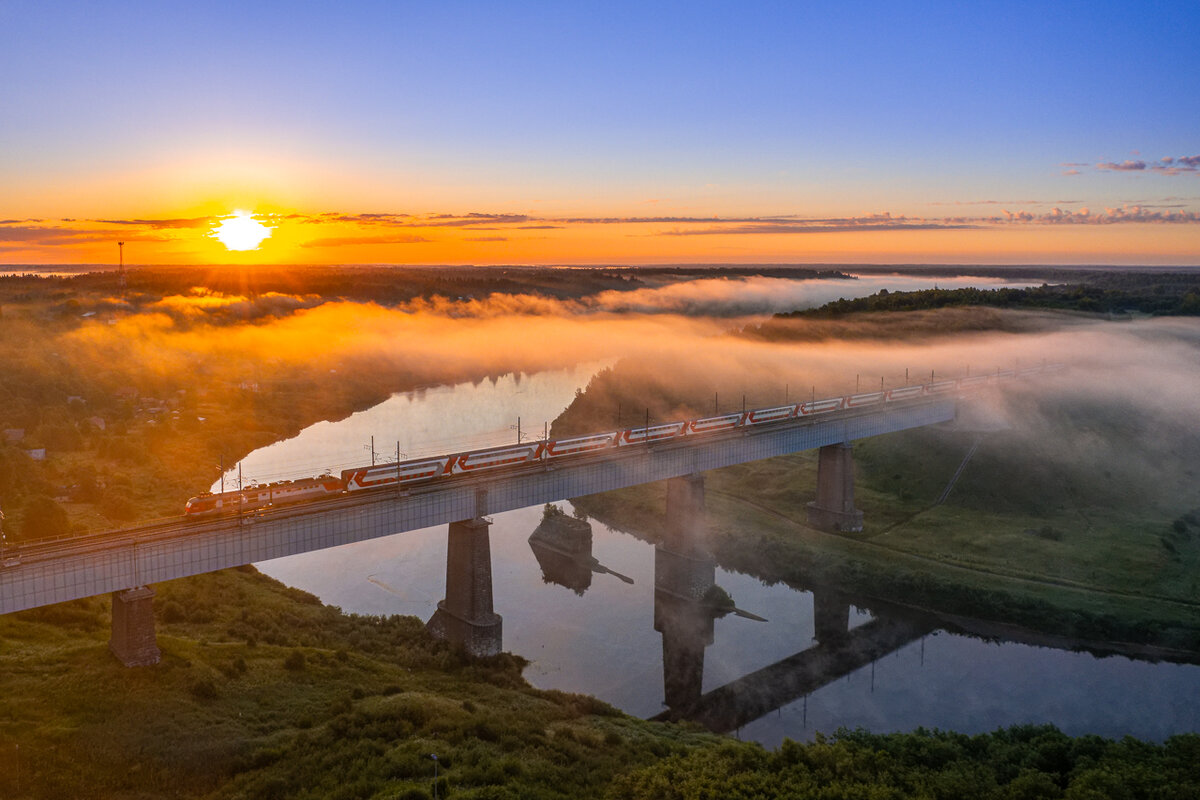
834	510
465	617
133	640
683	565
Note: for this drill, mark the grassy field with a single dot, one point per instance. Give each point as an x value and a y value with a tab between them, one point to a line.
263	692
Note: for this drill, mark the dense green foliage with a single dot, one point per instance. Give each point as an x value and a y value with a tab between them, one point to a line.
263	692
1013	764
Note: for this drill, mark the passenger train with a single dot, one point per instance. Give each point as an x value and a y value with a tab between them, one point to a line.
421	470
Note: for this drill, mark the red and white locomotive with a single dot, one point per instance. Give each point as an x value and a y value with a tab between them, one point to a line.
421	470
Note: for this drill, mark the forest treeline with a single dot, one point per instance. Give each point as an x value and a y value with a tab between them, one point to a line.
1173	294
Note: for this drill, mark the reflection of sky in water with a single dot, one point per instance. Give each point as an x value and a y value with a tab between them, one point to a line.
972	686
604	642
430	421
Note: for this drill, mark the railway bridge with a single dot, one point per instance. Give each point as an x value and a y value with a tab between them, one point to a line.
126	562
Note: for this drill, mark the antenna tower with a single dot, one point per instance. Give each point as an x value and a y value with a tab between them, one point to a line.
121	268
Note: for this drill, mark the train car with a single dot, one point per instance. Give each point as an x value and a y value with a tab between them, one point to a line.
905	392
820	406
724	422
560	448
403	472
761	416
650	435
864	399
495	457
940	387
974	382
265	496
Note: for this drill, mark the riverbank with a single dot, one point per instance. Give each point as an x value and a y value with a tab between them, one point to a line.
265	693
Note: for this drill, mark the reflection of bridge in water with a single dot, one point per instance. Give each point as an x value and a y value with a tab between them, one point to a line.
687	603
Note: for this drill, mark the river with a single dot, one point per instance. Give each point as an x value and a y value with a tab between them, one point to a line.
597	635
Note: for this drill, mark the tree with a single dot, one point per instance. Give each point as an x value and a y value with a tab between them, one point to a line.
44	518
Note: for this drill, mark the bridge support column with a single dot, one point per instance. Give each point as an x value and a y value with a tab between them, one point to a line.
831	616
834	510
683	566
465	618
133	641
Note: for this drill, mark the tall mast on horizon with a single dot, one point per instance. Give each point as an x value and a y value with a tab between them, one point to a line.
121	268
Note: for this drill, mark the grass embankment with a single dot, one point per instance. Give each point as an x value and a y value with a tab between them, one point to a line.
263	692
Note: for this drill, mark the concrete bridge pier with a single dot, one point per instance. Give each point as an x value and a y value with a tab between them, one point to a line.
683	566
831	616
834	510
133	640
465	618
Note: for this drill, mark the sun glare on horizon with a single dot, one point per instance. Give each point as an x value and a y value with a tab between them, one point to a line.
241	231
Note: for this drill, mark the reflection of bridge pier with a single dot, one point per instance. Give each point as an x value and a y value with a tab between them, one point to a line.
831	616
684	575
834	510
465	618
687	629
744	700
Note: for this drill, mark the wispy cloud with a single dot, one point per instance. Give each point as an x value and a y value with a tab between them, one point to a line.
47	235
1169	165
348	241
1108	216
159	224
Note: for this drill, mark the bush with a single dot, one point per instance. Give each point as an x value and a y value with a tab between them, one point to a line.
118	506
204	689
44	518
295	661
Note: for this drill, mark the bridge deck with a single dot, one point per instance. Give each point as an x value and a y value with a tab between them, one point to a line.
38	575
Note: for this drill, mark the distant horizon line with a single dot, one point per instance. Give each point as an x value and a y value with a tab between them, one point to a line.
7	269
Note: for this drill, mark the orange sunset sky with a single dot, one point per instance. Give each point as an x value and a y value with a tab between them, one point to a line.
601	134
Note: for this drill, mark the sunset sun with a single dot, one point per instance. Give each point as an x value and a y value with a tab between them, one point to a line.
241	232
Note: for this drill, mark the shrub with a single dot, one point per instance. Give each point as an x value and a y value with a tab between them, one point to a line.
204	689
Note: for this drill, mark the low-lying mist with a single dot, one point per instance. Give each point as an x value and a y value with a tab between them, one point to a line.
682	350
